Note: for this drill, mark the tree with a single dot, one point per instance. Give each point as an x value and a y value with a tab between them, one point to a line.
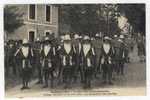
12	19
89	19
111	14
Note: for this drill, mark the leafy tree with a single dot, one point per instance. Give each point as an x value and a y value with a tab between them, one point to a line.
89	19
12	19
111	14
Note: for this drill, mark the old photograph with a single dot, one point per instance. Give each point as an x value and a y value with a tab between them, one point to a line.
74	50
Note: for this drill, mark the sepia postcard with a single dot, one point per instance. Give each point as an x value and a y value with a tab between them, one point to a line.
63	50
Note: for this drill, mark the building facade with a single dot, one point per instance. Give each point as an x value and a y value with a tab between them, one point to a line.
39	21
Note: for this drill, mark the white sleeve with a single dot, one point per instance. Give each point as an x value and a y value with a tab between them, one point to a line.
71	61
102	60
74	49
17	52
64	60
109	60
54	51
32	53
93	51
123	55
59	47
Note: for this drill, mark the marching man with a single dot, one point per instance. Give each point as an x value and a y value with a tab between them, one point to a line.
37	56
87	61
61	42
97	44
115	44
121	56
25	53
106	61
78	56
47	62
67	53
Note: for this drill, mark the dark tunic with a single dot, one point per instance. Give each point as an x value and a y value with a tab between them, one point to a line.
47	60
10	55
67	61
108	55
36	51
123	53
78	52
87	58
26	62
88	66
69	57
107	63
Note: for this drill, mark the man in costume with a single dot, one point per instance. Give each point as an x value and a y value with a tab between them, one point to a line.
106	61
26	53
11	61
37	60
115	44
121	55
87	61
78	57
97	44
67	53
47	55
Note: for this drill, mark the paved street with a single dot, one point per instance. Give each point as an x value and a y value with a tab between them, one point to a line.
132	83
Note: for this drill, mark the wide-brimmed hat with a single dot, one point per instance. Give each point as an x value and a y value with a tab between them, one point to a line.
121	36
80	37
107	38
76	36
92	38
115	36
62	37
46	39
25	41
119	40
86	37
11	41
97	35
37	39
67	37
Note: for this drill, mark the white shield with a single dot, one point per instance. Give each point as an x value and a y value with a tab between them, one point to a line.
106	48
25	51
86	48
46	49
67	47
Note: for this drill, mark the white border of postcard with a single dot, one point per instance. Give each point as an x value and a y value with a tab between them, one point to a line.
147	2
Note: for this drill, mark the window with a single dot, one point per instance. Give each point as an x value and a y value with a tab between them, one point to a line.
47	32
32	11
48	13
31	36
